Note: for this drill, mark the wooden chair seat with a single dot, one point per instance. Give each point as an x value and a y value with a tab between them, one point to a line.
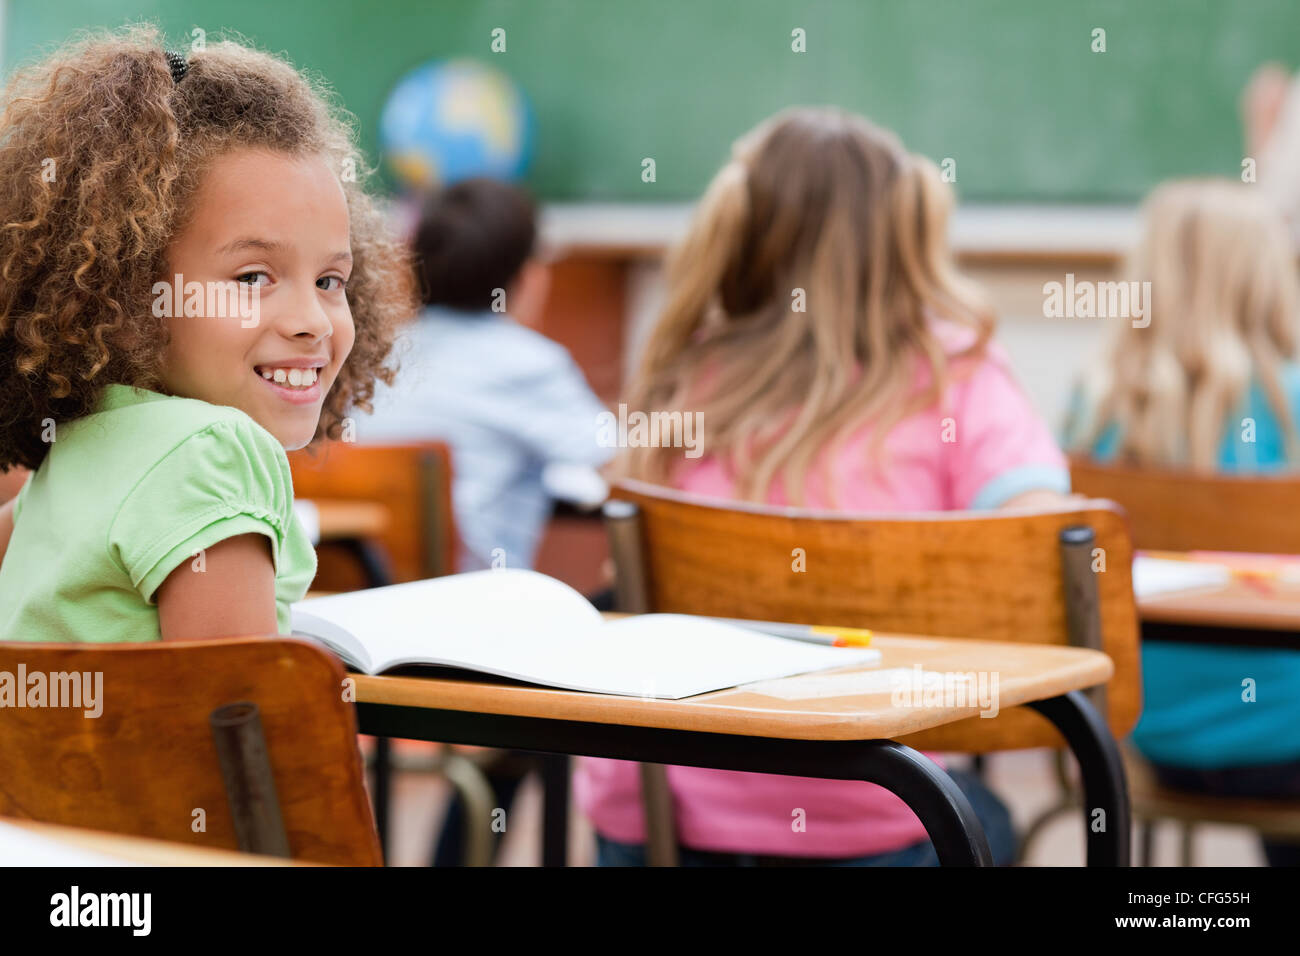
1153	801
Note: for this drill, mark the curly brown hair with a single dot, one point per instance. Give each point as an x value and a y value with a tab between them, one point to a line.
127	148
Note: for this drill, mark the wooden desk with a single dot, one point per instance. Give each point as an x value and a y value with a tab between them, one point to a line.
139	850
341	519
811	725
1246	612
357	527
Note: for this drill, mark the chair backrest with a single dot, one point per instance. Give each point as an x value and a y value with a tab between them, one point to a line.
1183	511
148	763
413	480
985	575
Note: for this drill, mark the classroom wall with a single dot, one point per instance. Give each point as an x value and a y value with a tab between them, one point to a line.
1027	109
1048	355
1009	89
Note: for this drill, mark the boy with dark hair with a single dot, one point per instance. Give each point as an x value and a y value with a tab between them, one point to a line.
511	403
472	240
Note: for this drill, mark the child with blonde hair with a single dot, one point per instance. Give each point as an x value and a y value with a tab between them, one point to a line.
1220	349
814	322
145	196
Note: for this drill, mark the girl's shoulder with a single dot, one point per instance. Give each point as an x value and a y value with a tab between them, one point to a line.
151	418
955	337
196	470
136	433
957	340
972	372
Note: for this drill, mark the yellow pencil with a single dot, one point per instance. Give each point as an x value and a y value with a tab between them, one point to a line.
812	634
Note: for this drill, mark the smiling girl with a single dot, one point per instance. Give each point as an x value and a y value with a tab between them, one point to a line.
161	502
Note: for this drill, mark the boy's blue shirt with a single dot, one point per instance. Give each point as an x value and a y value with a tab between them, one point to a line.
508	401
1197	711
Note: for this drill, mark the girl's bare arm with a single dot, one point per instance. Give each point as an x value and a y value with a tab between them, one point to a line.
1043	499
233	596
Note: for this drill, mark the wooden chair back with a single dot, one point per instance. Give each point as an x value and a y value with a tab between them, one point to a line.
986	575
412	480
1184	511
148	764
1172	510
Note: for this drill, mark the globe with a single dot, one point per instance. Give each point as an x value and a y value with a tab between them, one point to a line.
447	121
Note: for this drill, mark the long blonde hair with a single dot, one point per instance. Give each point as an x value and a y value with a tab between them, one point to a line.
1222	313
819	202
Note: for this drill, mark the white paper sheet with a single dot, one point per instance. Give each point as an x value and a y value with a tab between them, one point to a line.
1156	576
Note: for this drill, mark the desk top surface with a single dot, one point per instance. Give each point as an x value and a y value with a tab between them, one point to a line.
342	518
1245	602
853	703
1262	592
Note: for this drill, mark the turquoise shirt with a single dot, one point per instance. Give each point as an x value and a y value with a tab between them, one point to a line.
130	493
1193	713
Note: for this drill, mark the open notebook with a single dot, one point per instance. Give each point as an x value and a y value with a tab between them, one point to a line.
530	627
1153	577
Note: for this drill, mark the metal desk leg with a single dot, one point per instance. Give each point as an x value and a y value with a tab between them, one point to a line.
946	814
936	799
943	809
1105	786
555	807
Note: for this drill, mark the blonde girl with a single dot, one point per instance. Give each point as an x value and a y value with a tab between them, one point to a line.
815	323
1211	384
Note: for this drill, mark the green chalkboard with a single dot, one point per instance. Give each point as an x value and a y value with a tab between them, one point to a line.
1009	89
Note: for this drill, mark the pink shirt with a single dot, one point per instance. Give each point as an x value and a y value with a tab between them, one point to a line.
978	448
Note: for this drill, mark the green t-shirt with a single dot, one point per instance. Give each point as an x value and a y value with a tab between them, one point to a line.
129	493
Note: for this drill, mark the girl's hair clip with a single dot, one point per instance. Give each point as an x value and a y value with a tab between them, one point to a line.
179	66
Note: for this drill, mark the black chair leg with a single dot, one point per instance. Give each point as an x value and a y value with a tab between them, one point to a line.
555	823
383	770
1146	842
